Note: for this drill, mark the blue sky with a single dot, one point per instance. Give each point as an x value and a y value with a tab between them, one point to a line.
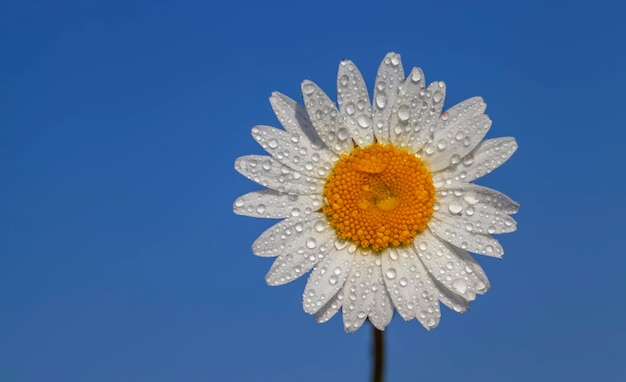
120	258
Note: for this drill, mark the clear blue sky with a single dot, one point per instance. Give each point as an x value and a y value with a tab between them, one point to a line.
121	260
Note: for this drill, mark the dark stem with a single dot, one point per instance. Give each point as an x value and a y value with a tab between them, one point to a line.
379	355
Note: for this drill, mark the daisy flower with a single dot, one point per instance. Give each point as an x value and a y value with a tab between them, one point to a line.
378	197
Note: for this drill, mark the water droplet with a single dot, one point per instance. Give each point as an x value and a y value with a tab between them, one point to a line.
403	282
442	144
393	255
438	96
395	60
344	80
469	211
422	246
260	208
404	113
332	280
459	286
363	121
308	88
391	273
239	203
381	100
311	243
319	226
338	270
343	134
350	109
480	285
273	143
416	75
455	207
295	138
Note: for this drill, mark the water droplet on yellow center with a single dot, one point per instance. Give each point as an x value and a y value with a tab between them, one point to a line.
379	196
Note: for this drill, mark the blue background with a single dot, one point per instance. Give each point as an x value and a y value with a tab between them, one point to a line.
121	260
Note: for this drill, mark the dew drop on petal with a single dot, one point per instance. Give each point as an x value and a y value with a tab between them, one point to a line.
363	121
391	273
459	286
455	207
311	243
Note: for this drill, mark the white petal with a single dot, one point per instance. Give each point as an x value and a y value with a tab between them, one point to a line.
382	311
290	234
452	142
295	151
426	115
473	242
354	103
300	257
466	211
449	299
270	173
410	286
357	292
448	267
272	204
294	118
485	158
330	308
327	278
328	122
403	122
390	75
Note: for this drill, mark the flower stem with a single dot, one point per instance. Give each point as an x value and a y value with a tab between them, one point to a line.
379	355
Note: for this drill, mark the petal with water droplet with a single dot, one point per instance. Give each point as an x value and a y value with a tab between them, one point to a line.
485	158
294	118
472	215
354	103
327	278
358	292
297	258
448	267
329	124
459	139
388	79
275	205
270	173
287	235
482	244
330	308
295	151
382	310
405	129
411	290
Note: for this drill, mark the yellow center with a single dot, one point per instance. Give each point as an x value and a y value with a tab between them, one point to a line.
379	196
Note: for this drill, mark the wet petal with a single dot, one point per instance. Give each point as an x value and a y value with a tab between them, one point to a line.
328	122
272	204
410	286
295	151
270	173
354	103
470	241
330	308
327	278
358	293
449	268
485	158
300	257
289	234
388	79
451	143
294	118
404	127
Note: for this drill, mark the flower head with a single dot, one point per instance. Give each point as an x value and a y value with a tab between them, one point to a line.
378	197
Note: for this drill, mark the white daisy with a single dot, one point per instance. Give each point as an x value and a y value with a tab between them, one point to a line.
378	198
